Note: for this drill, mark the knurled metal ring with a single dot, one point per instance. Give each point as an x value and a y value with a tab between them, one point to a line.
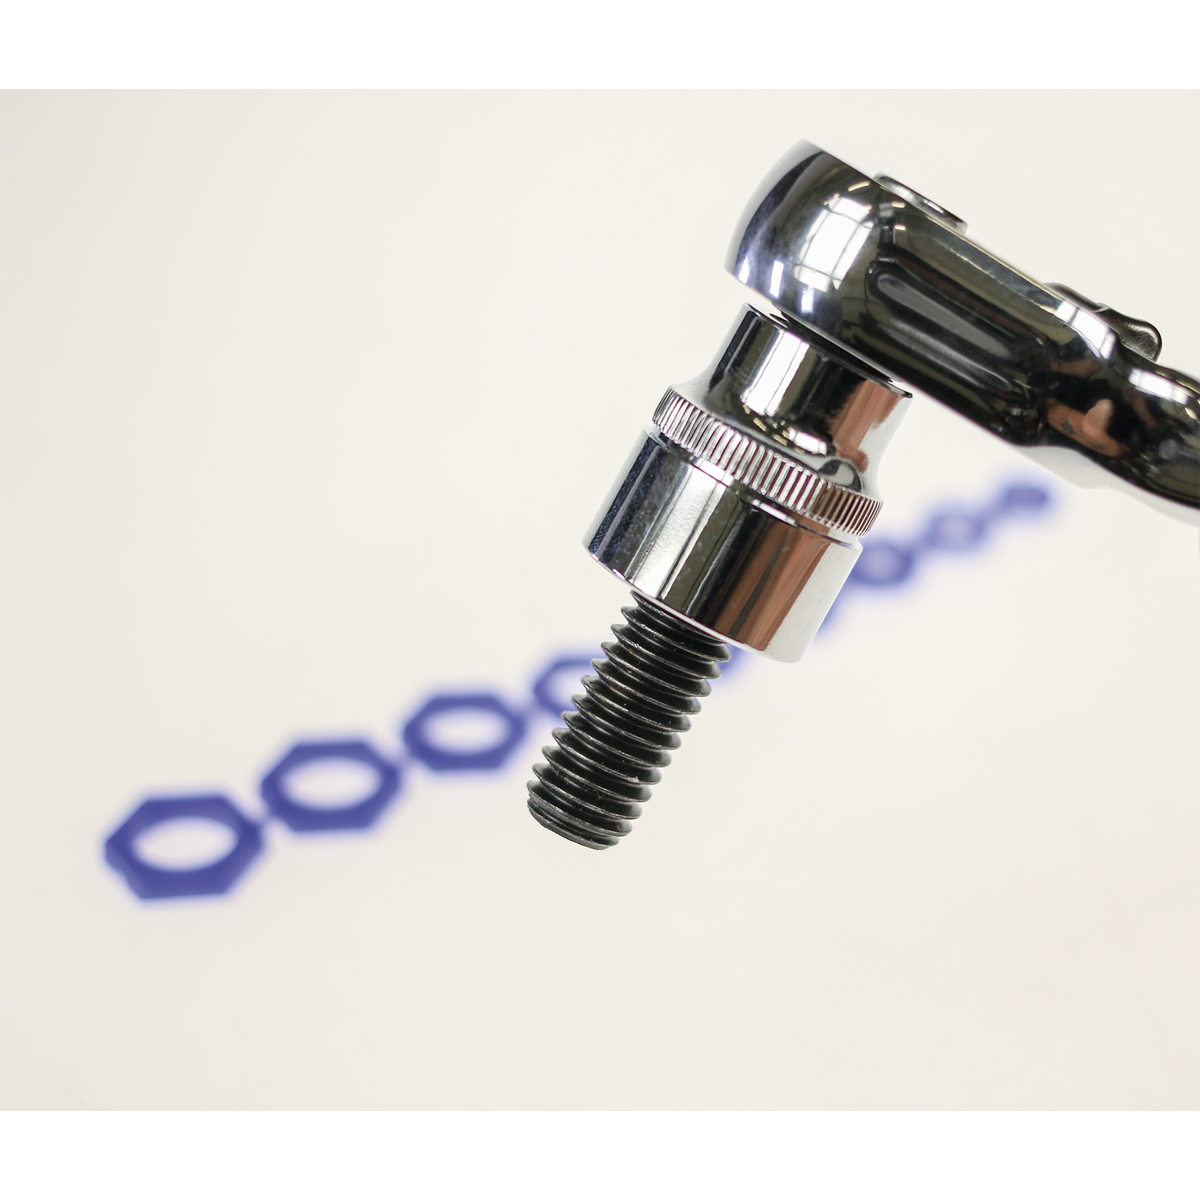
771	474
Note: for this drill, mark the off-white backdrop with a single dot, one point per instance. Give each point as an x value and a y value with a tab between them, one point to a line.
308	399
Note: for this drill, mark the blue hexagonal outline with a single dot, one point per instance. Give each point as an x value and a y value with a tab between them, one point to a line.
1022	499
543	697
862	574
307	818
934	534
437	758
151	882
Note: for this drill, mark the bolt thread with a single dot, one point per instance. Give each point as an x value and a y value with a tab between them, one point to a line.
598	775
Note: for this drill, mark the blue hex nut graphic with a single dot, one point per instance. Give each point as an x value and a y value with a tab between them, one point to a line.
954	529
882	564
421	746
156	883
308	818
1022	499
543	686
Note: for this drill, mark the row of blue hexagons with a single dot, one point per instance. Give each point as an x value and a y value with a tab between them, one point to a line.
956	529
883	563
152	882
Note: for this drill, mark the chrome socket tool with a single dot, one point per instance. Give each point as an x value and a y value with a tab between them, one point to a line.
737	516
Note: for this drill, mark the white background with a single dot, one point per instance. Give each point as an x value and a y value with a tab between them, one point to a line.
309	398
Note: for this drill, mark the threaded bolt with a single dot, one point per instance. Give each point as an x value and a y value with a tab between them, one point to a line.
597	777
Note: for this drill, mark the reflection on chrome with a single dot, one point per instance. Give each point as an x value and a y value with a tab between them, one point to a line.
1095	331
1160	385
833	243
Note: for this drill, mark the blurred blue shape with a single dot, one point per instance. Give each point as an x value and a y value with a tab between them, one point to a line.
156	883
1022	499
422	746
544	694
954	529
882	564
307	818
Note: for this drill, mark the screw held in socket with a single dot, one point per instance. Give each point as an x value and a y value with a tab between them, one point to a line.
600	771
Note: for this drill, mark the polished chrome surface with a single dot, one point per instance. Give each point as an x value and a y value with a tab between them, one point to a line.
829	413
718	447
740	511
889	276
930	206
714	555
